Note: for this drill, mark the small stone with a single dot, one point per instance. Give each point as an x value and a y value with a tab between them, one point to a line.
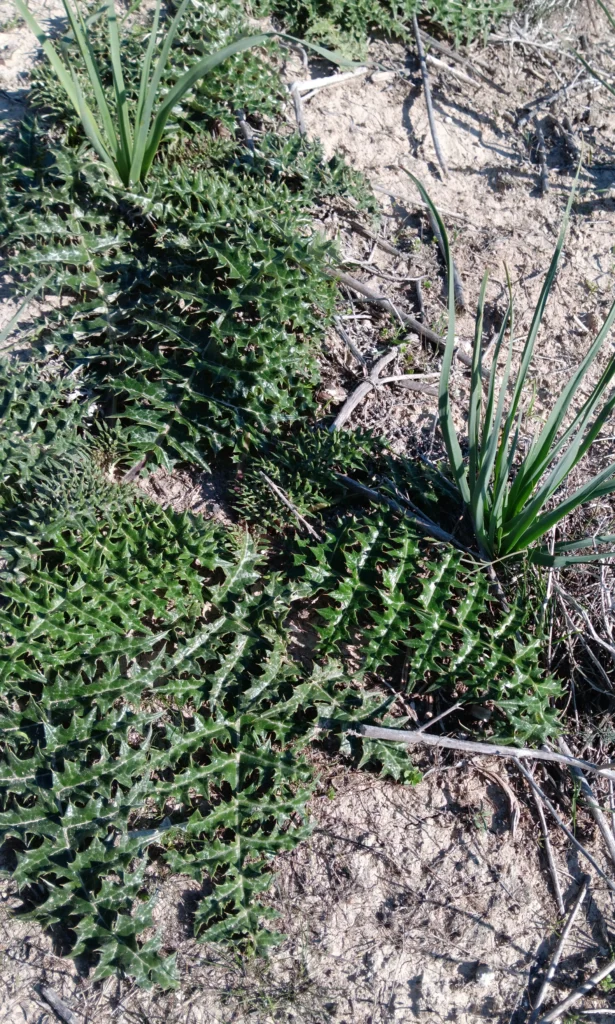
484	975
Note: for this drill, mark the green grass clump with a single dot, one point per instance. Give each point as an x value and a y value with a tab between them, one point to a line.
515	497
345	25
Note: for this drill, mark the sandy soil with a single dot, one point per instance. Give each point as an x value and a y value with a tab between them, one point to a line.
407	904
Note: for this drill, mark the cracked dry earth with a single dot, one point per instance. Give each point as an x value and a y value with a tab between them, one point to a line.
407	903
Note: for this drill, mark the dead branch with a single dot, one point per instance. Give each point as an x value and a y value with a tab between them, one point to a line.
441	65
578	994
427	91
559	899
382	242
363	389
58	1005
425	524
573	839
298	104
312	84
548	978
409	321
591	803
415	738
289	505
343	333
472	66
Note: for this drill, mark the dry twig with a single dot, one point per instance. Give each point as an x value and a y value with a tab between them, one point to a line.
58	1005
441	65
573	839
296	95
427	91
415	738
363	390
409	321
591	803
341	330
548	978
559	899
314	84
382	242
578	994
429	527
289	505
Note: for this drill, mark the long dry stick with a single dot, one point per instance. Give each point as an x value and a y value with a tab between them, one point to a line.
559	899
383	243
441	65
311	84
289	505
578	994
373	381
591	803
472	66
573	839
548	978
423	522
296	95
427	91
409	321
341	330
58	1005
363	389
415	738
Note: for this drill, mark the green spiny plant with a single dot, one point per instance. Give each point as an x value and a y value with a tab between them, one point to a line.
126	133
196	307
390	598
346	24
515	499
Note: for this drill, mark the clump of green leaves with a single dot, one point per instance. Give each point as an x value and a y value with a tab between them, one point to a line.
147	704
346	24
395	601
154	704
126	132
511	496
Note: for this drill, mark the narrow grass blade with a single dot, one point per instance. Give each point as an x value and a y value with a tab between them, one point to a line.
593	72
476	388
562	556
490	403
179	90
546	448
121	99
603	483
480	496
83	41
528	350
447	426
50	52
90	127
145	72
148	95
502	476
607	12
203	67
